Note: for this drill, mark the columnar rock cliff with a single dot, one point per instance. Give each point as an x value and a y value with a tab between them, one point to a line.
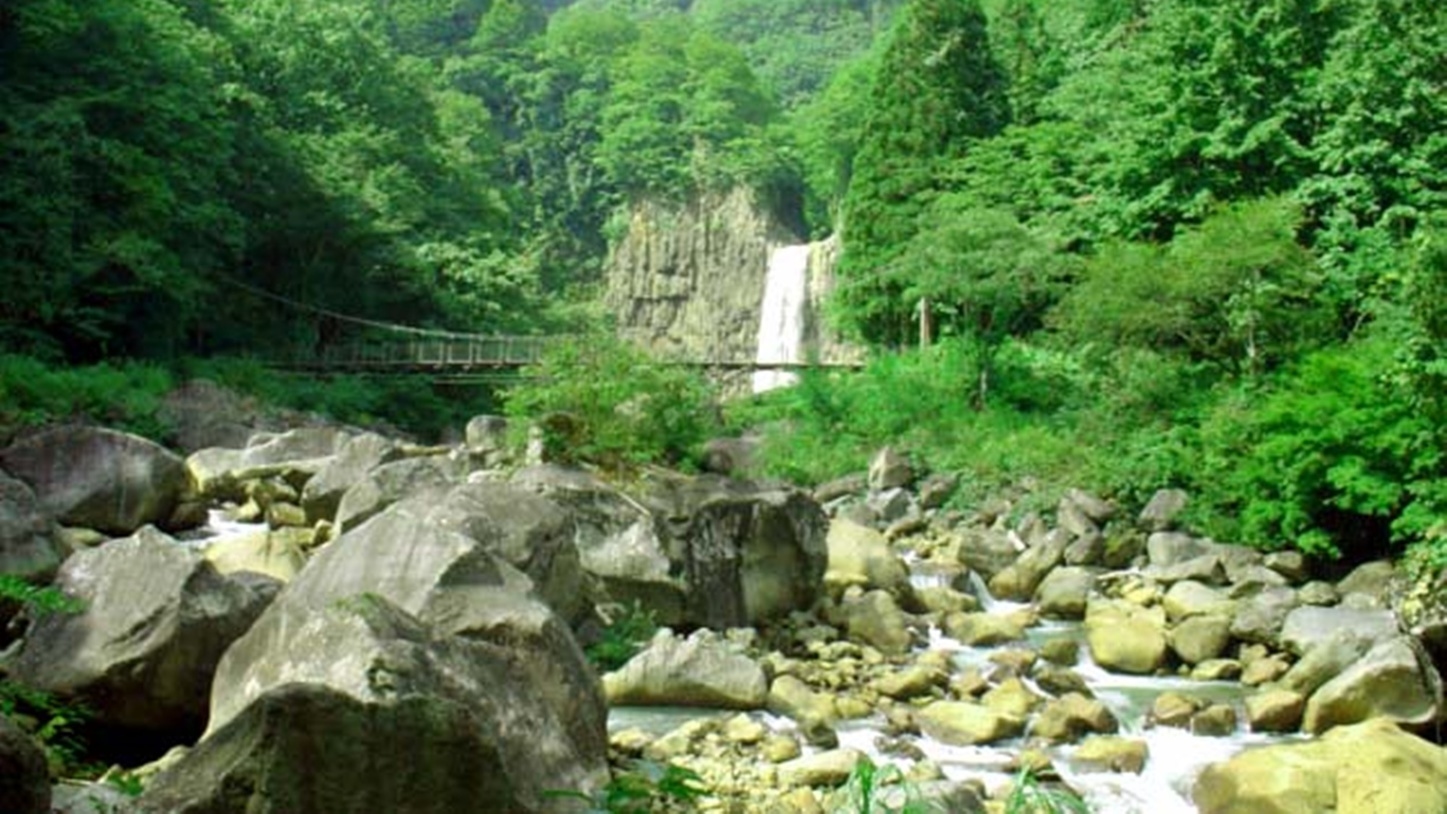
688	281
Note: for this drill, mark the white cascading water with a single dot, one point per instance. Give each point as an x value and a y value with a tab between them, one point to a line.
781	316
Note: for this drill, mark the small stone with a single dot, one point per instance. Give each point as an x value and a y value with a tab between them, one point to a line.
1064	652
1173	709
1275	710
1215	721
1264	670
744	730
1111	754
831	768
779	748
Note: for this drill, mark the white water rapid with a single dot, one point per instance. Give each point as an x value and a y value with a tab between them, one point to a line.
781	316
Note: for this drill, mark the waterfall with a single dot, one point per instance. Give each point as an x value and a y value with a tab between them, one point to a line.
781	316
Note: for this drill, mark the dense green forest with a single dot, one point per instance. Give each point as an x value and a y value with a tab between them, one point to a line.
1161	242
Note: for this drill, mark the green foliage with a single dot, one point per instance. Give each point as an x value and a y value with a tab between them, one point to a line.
627	631
602	401
1236	291
52	722
875	789
1029	796
126	396
937	88
1325	461
644	787
36	599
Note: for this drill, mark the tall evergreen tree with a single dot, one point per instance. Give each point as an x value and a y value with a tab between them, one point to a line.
938	88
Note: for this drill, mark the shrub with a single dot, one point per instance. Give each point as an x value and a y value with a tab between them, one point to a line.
602	401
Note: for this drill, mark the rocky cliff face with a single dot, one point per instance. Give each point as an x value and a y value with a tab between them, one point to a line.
688	281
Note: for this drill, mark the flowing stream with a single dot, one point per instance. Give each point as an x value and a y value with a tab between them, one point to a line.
1176	756
781	316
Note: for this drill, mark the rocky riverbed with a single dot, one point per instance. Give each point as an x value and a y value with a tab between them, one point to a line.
395	627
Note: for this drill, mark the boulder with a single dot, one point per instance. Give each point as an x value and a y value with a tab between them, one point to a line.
911	682
355	705
1275	710
790	697
1019	580
1394	680
1064	591
1091	506
1324	660
1168	548
1215	721
24	774
294	456
155	619
1306	627
987	551
1072	716
859	555
453	583
889	470
1109	753
391	482
261	551
875	619
1125	637
1259	618
700	671
28	545
1201	638
1012	697
1162	509
1207	568
1190	598
201	414
982	629
824	769
486	437
1367	768
1374	581
960	723
322	495
524	529
706	551
97	478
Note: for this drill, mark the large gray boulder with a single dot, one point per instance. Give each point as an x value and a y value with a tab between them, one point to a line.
699	671
155	620
24	774
393	481
1306	627
99	479
28	547
1394	680
1366	768
707	551
1259	617
453	581
354	705
395	639
357	456
526	530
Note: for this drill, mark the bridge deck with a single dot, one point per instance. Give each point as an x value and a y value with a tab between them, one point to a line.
479	354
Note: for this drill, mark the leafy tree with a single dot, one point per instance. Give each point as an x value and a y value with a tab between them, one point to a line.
937	88
1237	291
981	276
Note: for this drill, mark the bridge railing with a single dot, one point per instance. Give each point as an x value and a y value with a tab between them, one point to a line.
429	352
